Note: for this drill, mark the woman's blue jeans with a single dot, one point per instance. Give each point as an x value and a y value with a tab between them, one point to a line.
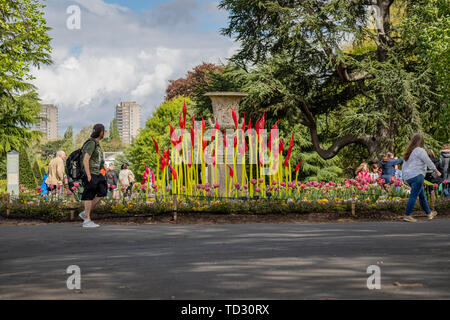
417	190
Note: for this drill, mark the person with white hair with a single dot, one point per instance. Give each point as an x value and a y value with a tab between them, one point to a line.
56	171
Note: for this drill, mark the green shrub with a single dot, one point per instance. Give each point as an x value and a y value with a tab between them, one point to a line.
26	175
37	172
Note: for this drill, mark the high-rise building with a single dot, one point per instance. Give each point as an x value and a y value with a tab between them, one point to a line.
128	116
49	126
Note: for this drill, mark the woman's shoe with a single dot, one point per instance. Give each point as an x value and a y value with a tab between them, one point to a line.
409	219
432	215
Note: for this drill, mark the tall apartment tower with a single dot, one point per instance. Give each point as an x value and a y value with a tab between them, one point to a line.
50	126
128	116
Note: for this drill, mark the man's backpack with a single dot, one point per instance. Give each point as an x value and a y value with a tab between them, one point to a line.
74	168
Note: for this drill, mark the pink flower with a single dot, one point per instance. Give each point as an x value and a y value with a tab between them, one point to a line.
154	186
283	184
445	182
245	187
143	187
69	193
74	188
207	189
435	186
258	189
76	184
216	185
253	181
237	185
261	180
274	183
113	187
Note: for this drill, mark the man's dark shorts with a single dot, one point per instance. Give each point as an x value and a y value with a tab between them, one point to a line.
97	187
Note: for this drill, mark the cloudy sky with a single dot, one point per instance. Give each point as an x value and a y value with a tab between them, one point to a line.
125	50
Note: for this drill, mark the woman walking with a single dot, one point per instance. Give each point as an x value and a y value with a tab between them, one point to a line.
414	170
126	179
388	167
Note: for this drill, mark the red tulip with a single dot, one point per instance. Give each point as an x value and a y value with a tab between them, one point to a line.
233	114
192	137
156	145
174	173
291	143
231	171
182	123
184	112
203	124
214	157
189	160
217	124
193	123
262	122
298	166
235	141
204	144
225	140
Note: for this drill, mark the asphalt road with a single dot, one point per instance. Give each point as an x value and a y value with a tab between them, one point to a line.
252	261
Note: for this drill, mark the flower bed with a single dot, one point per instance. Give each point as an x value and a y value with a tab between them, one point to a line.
54	211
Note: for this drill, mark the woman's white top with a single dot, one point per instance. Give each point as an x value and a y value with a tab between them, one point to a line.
417	164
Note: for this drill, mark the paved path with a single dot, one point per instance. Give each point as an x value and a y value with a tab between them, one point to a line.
252	261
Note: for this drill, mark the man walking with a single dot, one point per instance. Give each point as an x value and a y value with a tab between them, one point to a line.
56	171
95	186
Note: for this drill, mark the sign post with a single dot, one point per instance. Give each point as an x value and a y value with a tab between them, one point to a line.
12	169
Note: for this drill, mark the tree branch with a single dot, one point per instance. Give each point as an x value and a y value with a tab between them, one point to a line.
340	143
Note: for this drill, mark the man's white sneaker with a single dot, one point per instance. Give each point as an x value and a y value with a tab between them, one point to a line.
90	224
82	215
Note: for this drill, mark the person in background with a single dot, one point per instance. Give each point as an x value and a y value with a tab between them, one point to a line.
374	172
397	172
444	161
388	166
56	171
44	187
414	169
363	171
126	180
432	176
112	177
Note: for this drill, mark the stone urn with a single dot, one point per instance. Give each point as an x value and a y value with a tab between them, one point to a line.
221	103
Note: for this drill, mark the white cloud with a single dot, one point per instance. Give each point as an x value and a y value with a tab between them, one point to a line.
121	55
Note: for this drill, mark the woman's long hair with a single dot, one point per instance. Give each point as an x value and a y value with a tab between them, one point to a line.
417	141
